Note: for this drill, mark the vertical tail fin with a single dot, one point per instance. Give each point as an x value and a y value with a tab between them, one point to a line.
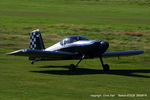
36	41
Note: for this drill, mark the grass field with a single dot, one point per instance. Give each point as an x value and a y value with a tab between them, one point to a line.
125	24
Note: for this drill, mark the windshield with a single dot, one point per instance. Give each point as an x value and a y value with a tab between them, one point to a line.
72	39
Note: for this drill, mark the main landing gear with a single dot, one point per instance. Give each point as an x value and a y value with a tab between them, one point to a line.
72	67
105	66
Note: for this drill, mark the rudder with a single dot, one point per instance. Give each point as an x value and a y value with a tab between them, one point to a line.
36	41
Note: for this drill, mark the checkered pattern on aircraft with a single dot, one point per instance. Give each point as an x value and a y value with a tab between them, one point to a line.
36	41
33	40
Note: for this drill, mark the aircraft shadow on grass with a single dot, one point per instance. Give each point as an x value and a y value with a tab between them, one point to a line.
86	71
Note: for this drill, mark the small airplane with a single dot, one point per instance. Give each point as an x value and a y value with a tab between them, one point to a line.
71	48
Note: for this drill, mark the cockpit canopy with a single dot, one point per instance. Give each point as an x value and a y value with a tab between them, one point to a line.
72	39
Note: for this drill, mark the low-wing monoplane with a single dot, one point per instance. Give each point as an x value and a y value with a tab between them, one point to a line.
71	48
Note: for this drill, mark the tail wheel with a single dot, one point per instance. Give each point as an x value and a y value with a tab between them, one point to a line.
106	67
32	62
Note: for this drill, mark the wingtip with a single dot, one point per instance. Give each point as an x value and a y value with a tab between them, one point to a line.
141	51
14	52
8	53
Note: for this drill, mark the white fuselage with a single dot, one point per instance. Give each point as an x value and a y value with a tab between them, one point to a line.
58	46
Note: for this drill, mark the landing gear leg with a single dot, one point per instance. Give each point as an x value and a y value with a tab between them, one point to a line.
105	66
73	67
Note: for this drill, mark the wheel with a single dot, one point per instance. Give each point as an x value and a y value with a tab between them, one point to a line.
72	67
106	67
32	62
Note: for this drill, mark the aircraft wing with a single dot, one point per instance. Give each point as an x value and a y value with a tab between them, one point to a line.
47	55
122	53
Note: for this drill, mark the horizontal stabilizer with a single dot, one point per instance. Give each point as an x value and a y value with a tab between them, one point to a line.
42	54
122	53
